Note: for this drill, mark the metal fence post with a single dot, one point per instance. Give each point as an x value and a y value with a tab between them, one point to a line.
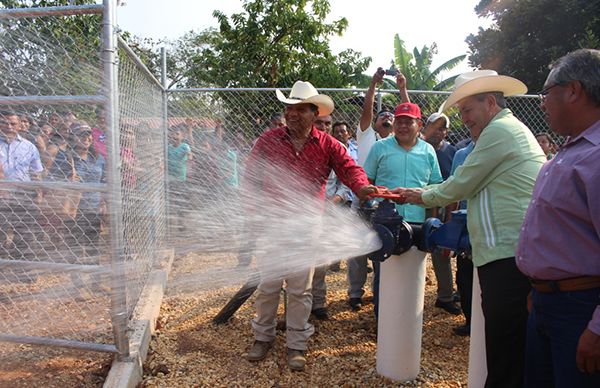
379	96
119	314
165	112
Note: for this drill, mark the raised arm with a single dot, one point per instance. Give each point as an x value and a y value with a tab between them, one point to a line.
401	83
366	117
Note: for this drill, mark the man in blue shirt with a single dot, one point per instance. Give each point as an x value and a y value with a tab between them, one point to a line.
464	261
19	161
178	155
403	159
434	133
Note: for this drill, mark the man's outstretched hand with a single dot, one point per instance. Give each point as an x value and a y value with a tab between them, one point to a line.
363	192
409	195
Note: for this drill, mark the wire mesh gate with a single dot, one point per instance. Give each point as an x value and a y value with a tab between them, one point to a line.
81	226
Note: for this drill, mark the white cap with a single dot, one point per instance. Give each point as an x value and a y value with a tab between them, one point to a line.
436	116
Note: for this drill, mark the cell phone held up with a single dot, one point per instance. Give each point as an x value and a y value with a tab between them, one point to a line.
391	72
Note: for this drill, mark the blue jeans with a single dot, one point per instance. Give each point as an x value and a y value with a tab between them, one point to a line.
555	324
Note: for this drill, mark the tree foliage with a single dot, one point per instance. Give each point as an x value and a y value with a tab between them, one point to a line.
273	43
527	35
416	66
49	55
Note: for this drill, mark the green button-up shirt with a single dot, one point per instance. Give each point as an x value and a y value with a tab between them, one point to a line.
497	180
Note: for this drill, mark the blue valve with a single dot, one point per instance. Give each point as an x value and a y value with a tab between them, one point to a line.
397	235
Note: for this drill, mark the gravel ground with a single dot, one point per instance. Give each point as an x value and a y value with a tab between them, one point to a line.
24	366
188	350
47	306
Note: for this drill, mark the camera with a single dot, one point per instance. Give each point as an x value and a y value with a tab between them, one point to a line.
392	72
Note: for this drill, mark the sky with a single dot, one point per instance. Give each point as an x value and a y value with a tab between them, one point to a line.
371	25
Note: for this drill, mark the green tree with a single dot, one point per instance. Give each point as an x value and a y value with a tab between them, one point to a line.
273	43
528	35
57	55
417	67
188	57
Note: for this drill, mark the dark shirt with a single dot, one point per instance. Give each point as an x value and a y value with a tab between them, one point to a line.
445	155
90	170
61	168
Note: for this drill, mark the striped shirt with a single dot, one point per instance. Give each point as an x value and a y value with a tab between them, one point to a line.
497	180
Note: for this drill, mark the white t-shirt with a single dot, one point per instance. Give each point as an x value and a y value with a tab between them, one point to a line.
365	140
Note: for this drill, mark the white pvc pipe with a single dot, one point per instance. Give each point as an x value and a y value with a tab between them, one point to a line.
400	323
477	356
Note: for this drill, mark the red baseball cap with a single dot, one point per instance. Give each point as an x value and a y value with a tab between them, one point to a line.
408	109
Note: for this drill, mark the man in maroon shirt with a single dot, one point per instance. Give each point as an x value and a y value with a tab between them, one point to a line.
286	163
559	244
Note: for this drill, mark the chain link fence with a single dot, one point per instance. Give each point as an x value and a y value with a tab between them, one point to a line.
220	126
238	116
82	198
142	157
53	257
95	180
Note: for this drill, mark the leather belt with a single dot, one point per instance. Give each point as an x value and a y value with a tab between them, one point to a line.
572	284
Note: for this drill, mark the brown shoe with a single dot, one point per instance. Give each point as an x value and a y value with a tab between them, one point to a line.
259	350
296	359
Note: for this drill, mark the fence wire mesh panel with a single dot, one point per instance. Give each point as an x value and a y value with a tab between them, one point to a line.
238	116
142	152
57	257
53	252
220	126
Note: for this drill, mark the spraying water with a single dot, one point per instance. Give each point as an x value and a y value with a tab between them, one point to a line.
280	230
66	273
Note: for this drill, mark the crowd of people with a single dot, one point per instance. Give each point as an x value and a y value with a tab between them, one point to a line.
39	222
533	221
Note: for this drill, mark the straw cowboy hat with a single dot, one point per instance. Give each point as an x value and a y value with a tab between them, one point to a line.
481	81
304	93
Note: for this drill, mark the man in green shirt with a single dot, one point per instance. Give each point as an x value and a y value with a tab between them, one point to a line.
497	180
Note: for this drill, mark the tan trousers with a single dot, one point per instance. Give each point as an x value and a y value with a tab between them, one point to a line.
299	330
319	287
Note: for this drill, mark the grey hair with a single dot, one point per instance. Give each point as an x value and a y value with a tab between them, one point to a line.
499	96
581	65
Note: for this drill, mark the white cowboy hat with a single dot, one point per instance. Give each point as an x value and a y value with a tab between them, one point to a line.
481	81
304	93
